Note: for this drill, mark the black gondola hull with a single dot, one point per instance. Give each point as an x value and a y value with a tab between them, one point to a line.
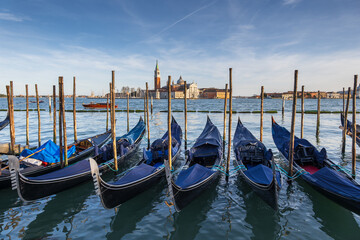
116	195
268	193
184	197
37	171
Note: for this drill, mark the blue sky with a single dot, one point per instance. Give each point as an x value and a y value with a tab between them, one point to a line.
264	41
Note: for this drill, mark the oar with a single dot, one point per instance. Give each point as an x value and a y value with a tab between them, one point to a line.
25	158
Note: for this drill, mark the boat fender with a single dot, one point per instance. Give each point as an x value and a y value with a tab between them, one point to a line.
14	168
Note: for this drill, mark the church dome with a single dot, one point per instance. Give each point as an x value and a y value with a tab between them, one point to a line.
180	81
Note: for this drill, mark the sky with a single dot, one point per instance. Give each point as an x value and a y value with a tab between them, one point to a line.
263	41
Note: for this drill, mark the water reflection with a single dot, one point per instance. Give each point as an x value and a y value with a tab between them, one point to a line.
61	208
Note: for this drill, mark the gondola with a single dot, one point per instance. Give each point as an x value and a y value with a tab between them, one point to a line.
97	105
256	165
5	122
349	127
148	171
319	171
31	188
82	149
201	168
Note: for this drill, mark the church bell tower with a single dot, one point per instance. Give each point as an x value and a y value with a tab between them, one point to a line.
157	77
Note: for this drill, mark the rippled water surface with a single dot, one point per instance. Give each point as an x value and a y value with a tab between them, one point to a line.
227	210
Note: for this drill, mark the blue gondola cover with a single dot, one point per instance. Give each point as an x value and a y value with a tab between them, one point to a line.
80	167
135	174
51	153
262	174
332	181
134	133
192	175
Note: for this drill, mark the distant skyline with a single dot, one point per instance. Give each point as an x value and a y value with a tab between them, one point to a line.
264	41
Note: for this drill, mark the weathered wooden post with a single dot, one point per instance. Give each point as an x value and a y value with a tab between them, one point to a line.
169	124
292	132
151	105
185	112
147	115
354	129
230	119
261	113
302	112
49	97
64	124
113	119
343	100
74	109
128	124
61	122
107	110
225	113
318	116
27	115
38	111
11	118
145	107
345	122
54	114
283	106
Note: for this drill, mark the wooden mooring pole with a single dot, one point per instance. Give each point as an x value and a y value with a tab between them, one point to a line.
292	132
230	120
343	100
185	112
38	111
113	119
107	111
145	107
261	113
147	115
64	124
27	114
11	118
225	113
151	105
127	111
74	109
354	129
345	122
318	116
49	98
169	124
54	114
283	107
302	112
61	122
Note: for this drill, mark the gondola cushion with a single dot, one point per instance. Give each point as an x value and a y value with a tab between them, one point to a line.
192	175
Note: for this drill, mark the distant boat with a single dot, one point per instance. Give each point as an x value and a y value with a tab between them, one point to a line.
40	101
97	105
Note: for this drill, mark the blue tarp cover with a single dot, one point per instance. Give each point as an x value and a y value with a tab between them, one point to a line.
262	174
281	138
194	174
79	167
332	181
134	133
51	153
135	174
210	135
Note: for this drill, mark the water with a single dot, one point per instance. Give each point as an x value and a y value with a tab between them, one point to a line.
225	211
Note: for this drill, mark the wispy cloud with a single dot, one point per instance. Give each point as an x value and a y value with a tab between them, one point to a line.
290	2
10	17
185	17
